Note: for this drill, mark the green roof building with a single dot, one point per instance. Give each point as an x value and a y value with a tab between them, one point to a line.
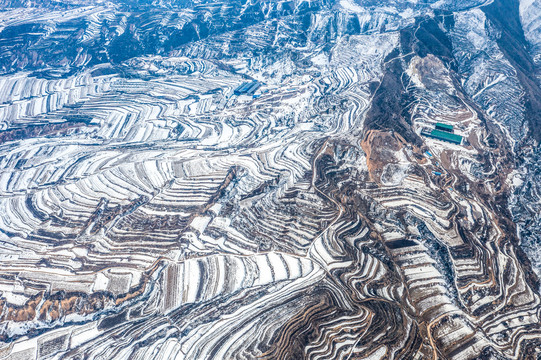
444	136
444	127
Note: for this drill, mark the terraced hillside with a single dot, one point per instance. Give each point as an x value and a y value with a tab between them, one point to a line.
252	180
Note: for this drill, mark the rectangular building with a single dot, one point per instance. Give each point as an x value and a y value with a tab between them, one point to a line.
444	136
444	127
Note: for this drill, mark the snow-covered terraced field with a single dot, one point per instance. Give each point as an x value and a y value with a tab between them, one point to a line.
152	209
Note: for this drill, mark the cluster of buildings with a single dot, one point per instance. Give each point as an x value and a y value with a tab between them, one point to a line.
247	88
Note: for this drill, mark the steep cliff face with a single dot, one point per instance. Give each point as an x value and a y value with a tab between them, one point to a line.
274	180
